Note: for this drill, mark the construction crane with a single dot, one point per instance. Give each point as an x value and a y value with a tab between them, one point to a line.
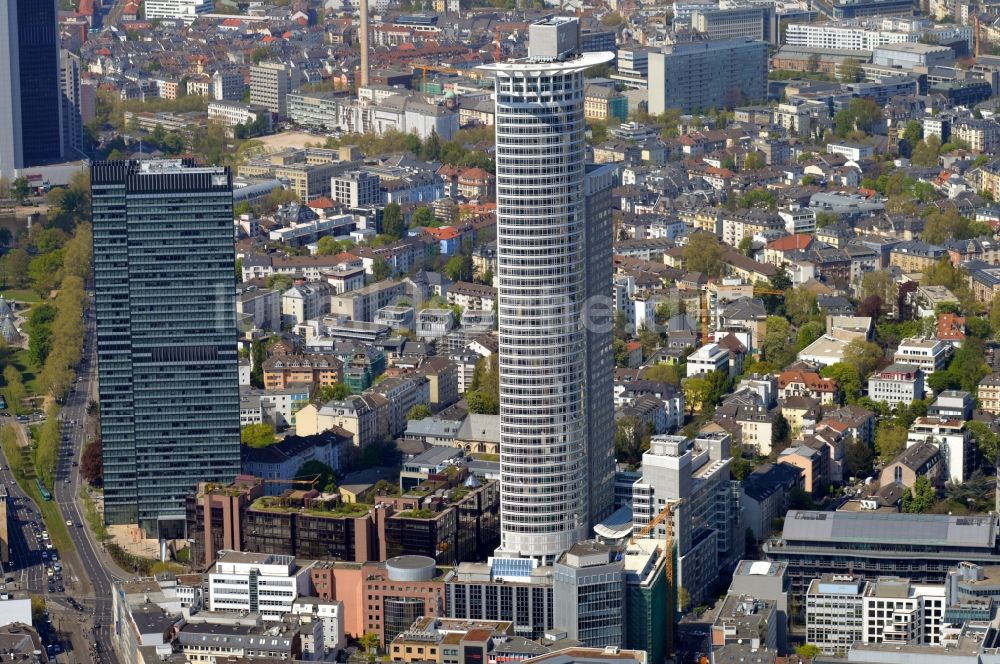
758	290
309	482
668	553
437	68
977	35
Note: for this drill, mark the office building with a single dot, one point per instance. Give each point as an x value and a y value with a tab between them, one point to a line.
72	101
270	83
557	458
929	355
746	620
649	604
185	10
754	22
835	612
166	321
516	588
227	85
694	477
704	75
30	115
897	383
256	582
588	587
903	613
919	547
356	189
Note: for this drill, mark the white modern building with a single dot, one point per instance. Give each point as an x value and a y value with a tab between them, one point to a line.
929	355
554	265
708	358
835	612
844	609
330	615
899	612
897	383
356	189
869	34
186	10
232	113
256	582
951	437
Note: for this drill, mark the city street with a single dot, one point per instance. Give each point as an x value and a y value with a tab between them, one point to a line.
66	493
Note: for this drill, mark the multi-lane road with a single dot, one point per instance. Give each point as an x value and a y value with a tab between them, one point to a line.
68	483
84	566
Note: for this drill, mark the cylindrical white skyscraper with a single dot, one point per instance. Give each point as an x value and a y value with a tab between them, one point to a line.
542	262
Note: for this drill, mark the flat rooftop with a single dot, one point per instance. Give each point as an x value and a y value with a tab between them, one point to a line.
923	529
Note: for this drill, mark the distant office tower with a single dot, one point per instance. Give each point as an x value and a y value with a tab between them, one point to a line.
30	128
166	327
270	83
753	22
556	419
72	102
704	75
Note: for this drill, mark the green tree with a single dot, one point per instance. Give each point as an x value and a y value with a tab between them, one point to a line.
863	355
808	651
392	221
459	267
697	392
258	353
800	305
381	269
921	497
704	254
890	440
369	642
481	403
335	392
847	378
39	328
986	441
776	344
663	373
326	479
850	70
327	246
810	332
860	458
925	152
422	216
13	390
754	161
418	412
14	267
20	190
913	133
257	435
824	218
746	246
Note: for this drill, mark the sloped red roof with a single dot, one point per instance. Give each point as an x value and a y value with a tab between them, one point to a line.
791	242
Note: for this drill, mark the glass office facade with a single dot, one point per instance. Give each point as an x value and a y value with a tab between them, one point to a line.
164	273
38	66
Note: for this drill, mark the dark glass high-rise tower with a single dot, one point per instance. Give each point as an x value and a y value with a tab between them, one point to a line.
164	274
30	113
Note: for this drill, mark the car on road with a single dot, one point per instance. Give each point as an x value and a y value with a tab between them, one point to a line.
69	522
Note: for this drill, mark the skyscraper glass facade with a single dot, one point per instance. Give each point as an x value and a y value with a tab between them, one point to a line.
164	273
38	65
547	277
